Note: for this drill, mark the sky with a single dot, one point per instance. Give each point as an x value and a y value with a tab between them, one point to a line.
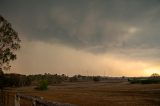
87	37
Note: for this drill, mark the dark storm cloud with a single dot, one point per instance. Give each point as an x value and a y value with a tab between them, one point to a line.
96	26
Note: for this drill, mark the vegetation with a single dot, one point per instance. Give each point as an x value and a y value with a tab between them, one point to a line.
73	79
155	75
143	81
16	80
154	78
1	79
96	79
43	85
51	78
112	92
9	43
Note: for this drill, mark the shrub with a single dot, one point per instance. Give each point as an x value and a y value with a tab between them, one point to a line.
43	85
96	79
73	79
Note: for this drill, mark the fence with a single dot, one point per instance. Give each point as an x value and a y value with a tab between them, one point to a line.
18	99
7	98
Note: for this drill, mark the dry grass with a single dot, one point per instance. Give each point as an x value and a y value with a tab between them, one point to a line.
101	93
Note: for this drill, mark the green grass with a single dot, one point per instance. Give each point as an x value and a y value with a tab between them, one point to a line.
144	80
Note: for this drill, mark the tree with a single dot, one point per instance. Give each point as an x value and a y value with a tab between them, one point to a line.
96	79
9	43
155	75
73	79
1	79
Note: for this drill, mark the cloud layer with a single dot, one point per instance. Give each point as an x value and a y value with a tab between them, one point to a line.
129	28
88	25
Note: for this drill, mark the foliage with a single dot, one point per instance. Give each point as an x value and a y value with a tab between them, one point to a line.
143	81
155	75
153	79
1	79
73	79
96	79
123	77
43	85
51	78
9	43
16	80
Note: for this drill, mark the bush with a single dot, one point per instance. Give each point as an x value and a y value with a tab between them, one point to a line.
96	79
43	85
73	79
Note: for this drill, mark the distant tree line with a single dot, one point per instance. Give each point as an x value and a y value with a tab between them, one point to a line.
18	80
153	79
51	78
87	78
15	80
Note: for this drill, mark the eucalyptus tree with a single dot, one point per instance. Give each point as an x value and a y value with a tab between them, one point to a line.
9	44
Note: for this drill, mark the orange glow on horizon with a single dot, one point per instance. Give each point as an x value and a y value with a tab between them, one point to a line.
150	71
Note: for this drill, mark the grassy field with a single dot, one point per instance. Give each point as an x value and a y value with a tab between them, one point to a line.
107	93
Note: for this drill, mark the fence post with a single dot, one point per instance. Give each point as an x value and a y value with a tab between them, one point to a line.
1	98
17	100
34	102
7	98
